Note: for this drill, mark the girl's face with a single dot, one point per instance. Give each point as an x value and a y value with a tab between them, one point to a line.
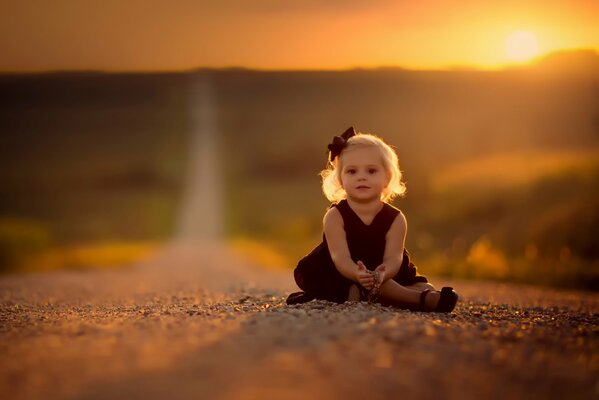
363	176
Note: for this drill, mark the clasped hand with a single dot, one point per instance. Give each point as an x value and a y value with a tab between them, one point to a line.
368	279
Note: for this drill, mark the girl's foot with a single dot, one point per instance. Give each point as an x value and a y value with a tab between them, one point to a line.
438	301
355	294
431	300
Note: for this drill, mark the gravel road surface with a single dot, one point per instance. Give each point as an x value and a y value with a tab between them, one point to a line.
199	322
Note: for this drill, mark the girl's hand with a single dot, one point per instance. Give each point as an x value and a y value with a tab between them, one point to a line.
382	270
364	277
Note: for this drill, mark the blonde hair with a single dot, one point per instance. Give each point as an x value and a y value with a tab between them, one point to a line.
331	179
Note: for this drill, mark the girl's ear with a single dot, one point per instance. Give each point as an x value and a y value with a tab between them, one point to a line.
388	175
338	176
385	191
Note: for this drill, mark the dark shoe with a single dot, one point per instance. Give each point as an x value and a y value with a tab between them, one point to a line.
299	298
447	300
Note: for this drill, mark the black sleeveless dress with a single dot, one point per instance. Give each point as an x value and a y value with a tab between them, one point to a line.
316	273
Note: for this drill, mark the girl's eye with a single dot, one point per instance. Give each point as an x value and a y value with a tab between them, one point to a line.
372	171
351	171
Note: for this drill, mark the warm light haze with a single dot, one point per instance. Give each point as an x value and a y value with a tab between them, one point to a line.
270	34
521	46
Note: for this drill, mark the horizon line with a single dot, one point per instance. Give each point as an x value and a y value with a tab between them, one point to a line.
523	65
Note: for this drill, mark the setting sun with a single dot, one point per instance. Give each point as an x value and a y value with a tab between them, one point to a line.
273	35
521	46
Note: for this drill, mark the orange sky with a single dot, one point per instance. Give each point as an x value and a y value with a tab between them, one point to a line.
282	34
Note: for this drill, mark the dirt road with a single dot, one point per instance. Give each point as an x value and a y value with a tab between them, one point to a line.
198	322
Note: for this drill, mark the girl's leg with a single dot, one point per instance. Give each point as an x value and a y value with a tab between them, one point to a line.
408	297
421	286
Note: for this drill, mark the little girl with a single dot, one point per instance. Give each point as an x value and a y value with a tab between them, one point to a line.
362	254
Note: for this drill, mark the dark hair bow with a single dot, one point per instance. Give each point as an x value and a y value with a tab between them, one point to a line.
340	142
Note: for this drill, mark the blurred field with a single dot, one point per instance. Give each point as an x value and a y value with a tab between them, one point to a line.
88	160
502	167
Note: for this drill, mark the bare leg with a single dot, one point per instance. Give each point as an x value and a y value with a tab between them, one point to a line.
407	297
421	286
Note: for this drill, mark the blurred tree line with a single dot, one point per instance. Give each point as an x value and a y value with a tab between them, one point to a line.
501	166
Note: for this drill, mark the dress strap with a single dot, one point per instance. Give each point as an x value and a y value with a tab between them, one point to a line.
346	213
390	213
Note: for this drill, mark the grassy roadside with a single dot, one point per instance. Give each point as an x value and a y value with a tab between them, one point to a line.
529	218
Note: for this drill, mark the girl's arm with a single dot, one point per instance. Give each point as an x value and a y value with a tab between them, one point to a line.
395	240
337	243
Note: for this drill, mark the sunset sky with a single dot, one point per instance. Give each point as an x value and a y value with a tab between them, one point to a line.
149	35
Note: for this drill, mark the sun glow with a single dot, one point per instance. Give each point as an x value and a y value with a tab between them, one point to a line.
521	46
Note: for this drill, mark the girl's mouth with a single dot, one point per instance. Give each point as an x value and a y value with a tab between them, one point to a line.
362	187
